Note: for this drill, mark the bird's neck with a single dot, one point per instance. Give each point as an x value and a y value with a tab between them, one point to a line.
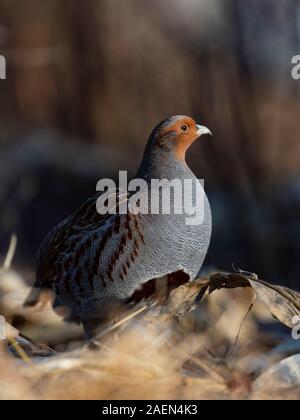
160	164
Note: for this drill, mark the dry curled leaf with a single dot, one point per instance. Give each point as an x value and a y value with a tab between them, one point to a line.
284	303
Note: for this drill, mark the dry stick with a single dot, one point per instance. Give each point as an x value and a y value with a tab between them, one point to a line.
6	266
11	252
120	323
202	364
20	351
205	367
230	352
131	357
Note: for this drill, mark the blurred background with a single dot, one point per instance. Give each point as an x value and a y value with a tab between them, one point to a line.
88	80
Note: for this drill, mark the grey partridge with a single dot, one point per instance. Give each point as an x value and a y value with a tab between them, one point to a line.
92	262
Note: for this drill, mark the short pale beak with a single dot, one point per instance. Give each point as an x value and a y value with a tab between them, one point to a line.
201	129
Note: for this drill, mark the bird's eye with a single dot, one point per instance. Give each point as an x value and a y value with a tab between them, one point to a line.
184	127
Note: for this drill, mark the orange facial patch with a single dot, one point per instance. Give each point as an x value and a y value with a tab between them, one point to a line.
181	139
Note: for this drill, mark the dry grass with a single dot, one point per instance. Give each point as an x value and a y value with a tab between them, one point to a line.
154	357
148	353
141	363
